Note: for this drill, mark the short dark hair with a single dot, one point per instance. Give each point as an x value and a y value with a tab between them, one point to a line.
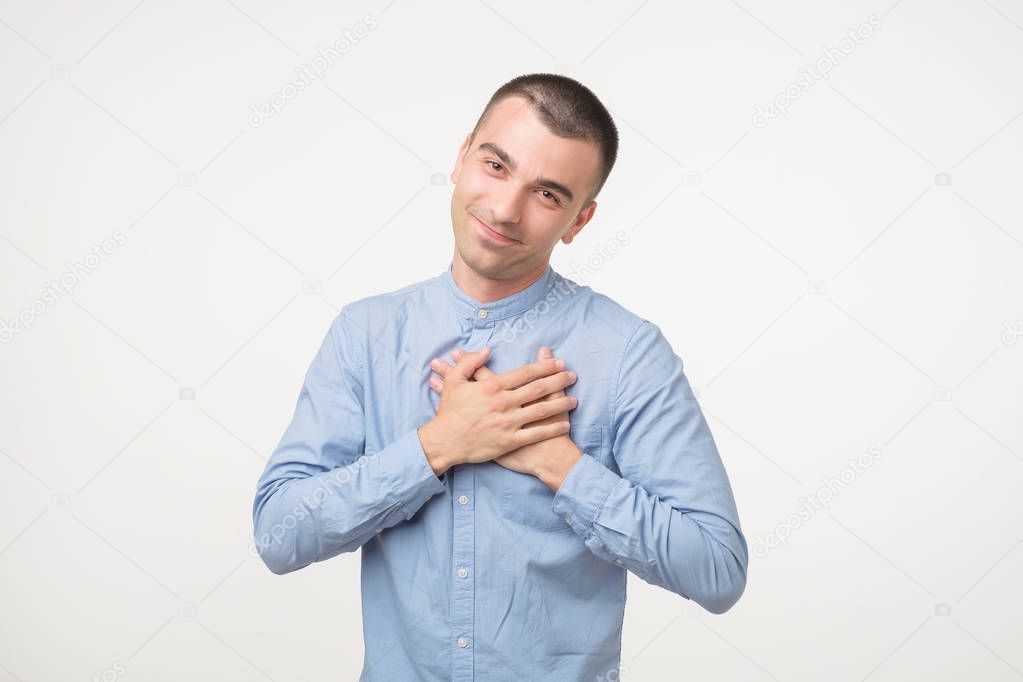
568	109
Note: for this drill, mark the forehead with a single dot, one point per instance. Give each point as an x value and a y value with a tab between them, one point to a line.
514	126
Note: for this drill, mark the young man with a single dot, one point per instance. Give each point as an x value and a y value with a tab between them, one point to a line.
501	500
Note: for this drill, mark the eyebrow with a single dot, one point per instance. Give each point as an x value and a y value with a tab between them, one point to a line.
510	163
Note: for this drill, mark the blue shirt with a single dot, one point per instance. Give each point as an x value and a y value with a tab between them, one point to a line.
485	573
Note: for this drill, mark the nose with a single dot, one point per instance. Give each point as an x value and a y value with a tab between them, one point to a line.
506	204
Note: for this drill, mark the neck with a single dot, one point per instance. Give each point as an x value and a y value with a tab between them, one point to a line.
484	289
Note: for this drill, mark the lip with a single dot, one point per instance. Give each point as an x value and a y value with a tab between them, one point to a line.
491	235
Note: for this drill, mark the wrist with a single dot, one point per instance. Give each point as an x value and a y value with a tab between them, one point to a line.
433	447
554	470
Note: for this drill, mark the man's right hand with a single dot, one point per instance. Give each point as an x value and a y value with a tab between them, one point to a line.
477	421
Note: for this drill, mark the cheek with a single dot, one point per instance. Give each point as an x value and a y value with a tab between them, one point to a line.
545	225
471	186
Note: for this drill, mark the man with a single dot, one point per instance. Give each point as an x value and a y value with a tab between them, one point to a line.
501	498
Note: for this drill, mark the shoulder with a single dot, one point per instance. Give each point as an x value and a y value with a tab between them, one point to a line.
392	306
600	310
639	346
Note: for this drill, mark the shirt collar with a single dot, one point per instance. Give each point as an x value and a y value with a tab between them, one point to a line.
502	308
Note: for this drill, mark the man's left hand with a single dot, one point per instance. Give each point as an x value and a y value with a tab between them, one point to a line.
549	460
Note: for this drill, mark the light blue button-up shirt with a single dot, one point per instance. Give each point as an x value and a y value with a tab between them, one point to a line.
485	573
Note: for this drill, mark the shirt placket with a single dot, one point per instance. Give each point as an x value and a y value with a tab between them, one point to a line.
463	489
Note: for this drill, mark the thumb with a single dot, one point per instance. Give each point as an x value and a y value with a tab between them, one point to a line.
467	365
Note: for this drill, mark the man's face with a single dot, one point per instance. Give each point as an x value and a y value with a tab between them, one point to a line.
523	182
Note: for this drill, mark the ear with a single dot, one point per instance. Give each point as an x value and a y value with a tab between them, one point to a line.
458	162
580	222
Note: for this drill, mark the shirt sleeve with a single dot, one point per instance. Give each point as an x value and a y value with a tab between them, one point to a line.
670	517
321	494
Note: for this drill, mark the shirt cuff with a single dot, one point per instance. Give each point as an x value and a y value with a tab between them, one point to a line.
408	473
583	492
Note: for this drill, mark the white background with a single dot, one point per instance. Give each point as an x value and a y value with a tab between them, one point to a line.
846	277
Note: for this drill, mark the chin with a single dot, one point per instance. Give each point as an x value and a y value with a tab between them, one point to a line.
483	262
479	260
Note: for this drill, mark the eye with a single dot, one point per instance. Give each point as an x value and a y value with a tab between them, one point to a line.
494	163
548	194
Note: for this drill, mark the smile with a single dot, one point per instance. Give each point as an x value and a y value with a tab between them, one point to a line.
487	233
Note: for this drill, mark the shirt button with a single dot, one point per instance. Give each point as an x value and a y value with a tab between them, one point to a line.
619	562
568	520
462	572
482	313
463	642
463	499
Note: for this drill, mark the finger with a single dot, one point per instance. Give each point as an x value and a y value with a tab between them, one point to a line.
440	366
523	375
543	354
467	365
483	372
436	384
541	387
535	434
545	409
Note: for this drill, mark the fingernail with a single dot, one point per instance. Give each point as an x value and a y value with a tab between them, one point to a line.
560	364
571	375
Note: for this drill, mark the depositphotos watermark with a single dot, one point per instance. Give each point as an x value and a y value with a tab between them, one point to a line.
614	674
74	272
580	273
813	503
527	320
326	57
114	672
329	484
1012	332
811	73
601	255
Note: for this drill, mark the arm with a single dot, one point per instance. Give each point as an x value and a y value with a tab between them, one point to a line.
321	494
671	517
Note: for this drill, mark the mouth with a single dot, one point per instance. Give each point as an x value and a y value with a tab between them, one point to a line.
492	235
